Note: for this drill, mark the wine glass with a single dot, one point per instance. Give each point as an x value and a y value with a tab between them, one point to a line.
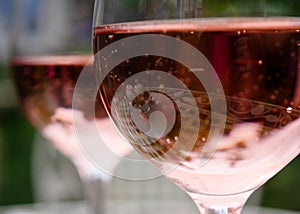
208	91
49	52
45	86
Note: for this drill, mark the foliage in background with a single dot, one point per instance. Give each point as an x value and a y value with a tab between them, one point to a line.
283	190
15	147
251	7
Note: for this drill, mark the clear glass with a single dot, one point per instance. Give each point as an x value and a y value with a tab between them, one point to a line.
51	46
208	91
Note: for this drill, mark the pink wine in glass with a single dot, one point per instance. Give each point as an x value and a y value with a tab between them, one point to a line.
258	63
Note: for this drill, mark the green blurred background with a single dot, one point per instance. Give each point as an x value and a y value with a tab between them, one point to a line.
17	135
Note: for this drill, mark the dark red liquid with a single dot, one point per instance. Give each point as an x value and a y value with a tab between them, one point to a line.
45	83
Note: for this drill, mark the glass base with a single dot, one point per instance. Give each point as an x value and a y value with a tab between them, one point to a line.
224	204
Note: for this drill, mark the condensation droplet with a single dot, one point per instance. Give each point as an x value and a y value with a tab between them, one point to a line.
128	91
146	109
129	87
110	37
289	110
272	97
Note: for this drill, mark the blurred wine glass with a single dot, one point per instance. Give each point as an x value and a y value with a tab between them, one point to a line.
50	47
45	87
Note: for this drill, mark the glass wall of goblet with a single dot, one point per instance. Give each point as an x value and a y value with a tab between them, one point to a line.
207	91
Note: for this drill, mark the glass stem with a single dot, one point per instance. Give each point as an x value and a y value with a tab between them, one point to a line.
227	204
221	210
95	190
95	187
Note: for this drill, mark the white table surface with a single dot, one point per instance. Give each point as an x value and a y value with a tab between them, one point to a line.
124	207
